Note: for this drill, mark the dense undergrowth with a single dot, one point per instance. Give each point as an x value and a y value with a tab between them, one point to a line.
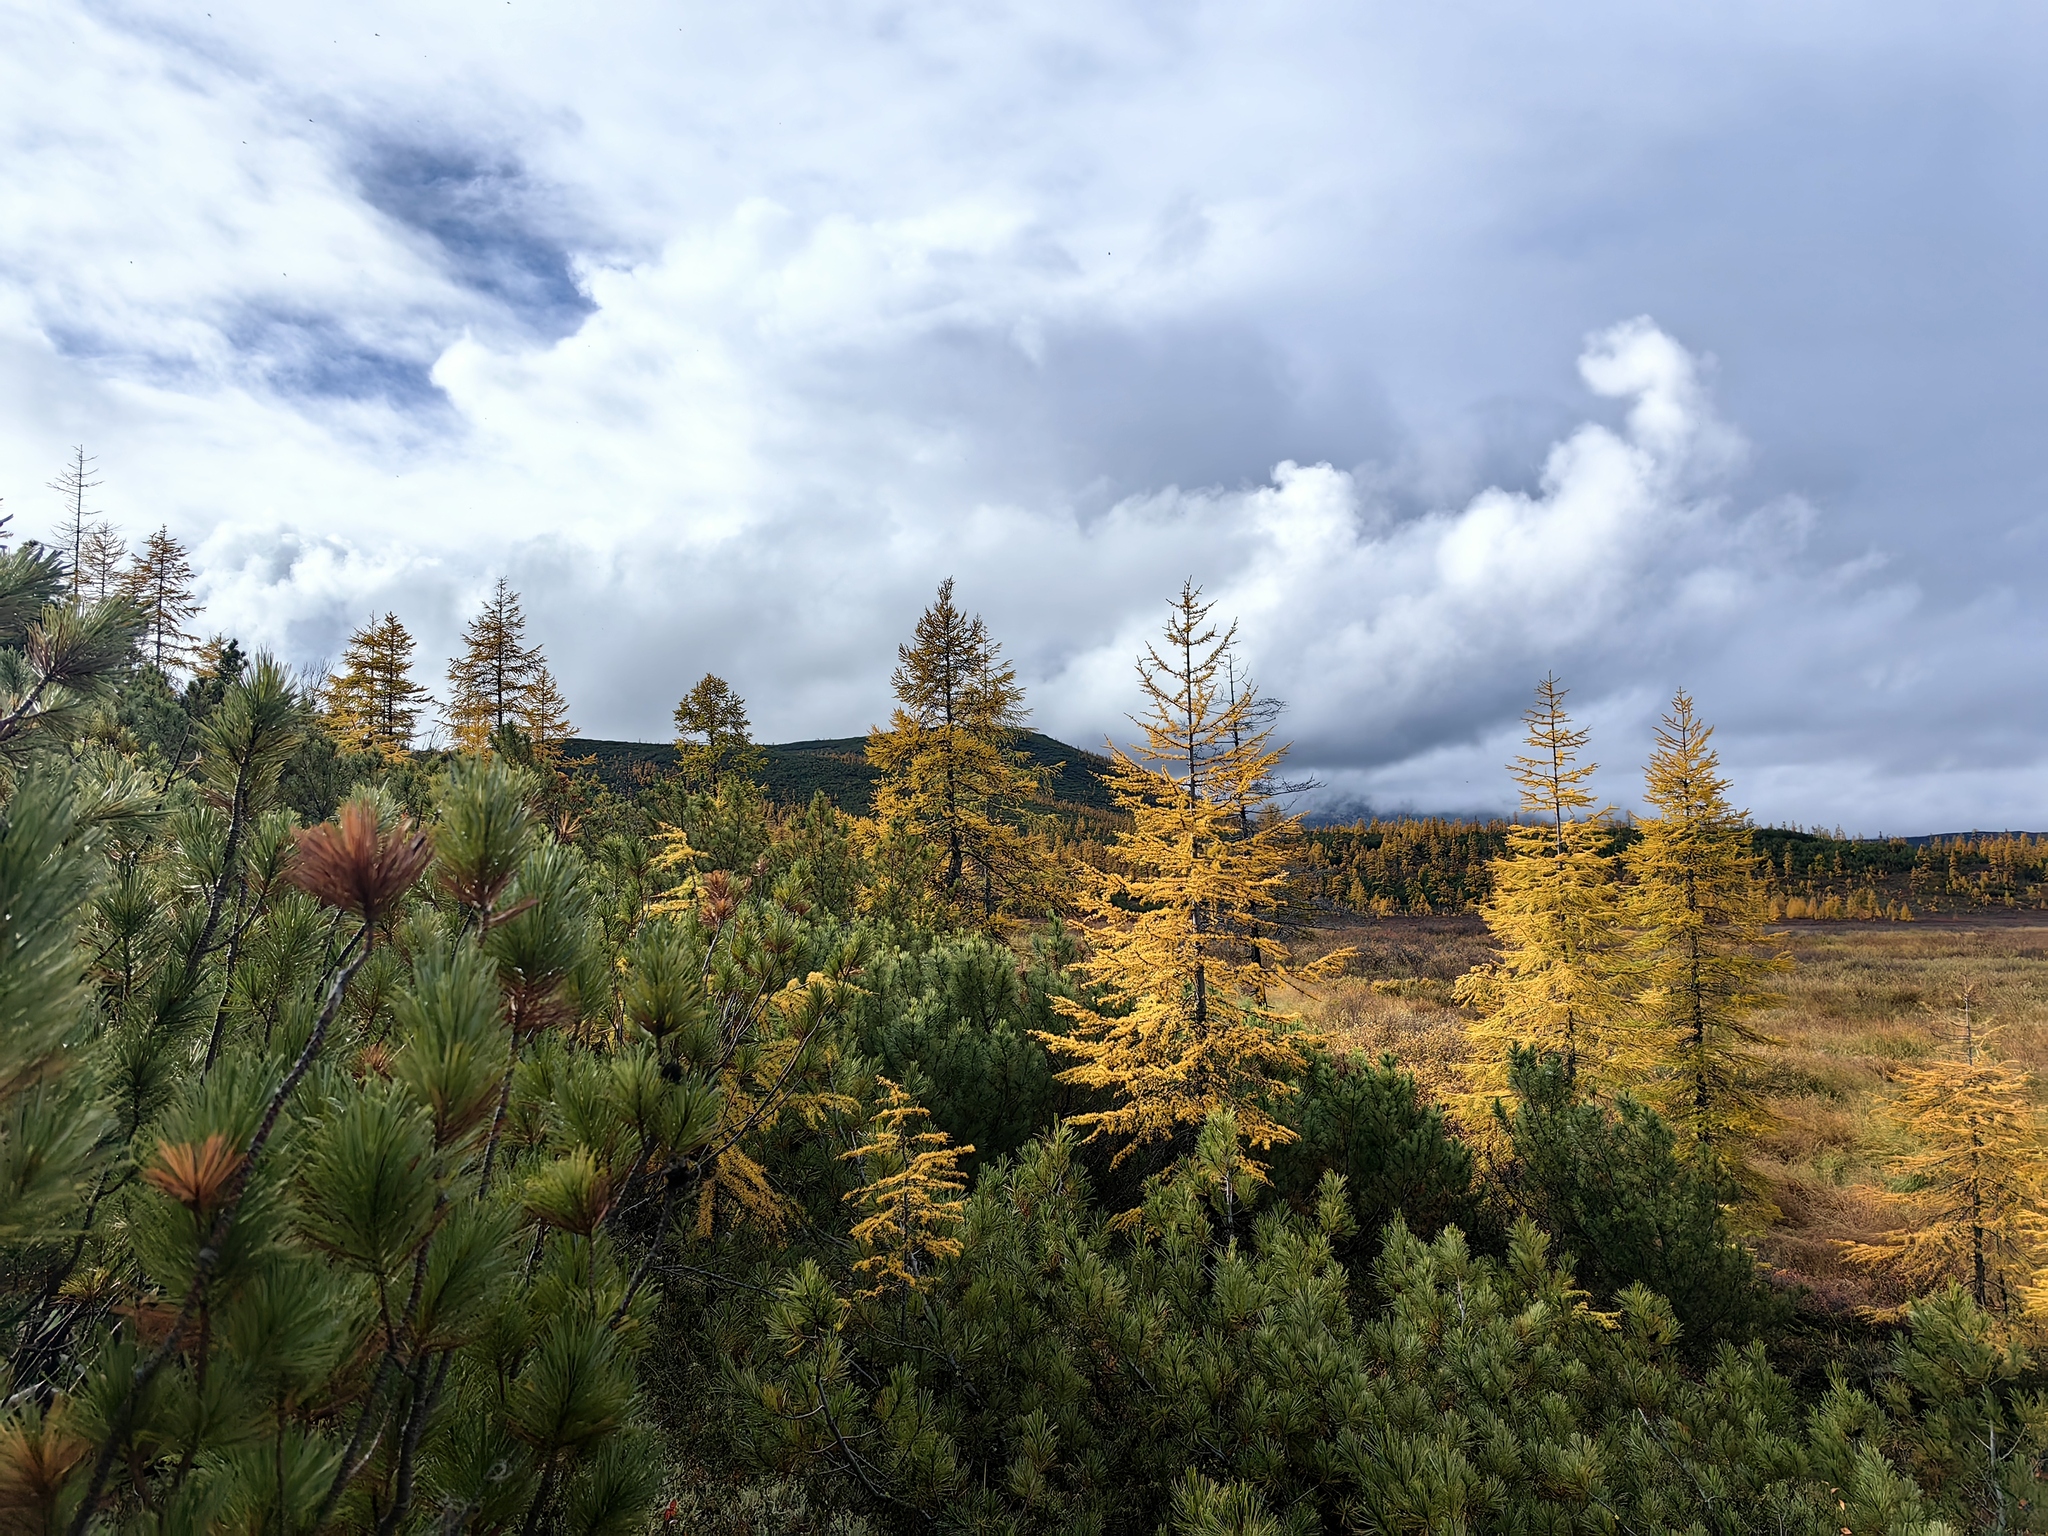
418	1144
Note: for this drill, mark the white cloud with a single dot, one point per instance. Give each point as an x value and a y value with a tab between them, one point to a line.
728	334
1406	645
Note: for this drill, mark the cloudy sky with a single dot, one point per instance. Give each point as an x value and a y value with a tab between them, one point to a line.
1444	344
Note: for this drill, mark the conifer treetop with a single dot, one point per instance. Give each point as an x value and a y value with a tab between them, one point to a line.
372	705
1187	735
1556	911
950	771
1683	776
713	735
544	713
488	683
1549	774
954	675
72	484
1183	949
158	582
1704	956
102	554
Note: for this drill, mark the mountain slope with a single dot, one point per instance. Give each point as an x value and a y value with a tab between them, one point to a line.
839	766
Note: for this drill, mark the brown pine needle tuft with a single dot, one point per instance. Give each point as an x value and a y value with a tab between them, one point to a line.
36	1457
352	864
194	1175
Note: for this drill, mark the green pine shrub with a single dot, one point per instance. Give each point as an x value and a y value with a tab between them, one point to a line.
1071	1373
952	1021
1609	1184
1366	1121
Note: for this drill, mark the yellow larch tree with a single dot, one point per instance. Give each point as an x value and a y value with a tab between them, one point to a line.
763	1062
102	554
951	775
1555	910
1701	954
489	682
544	714
713	735
909	1197
158	582
1181	944
371	704
1973	1197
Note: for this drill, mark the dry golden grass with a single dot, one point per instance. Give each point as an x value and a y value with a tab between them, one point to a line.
1420	1029
1861	1001
1433	948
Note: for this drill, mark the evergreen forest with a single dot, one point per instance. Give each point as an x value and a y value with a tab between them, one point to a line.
409	1123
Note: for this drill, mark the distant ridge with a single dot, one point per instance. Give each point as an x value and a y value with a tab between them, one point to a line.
1918	840
839	766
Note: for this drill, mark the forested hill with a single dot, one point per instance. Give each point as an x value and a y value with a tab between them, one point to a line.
839	767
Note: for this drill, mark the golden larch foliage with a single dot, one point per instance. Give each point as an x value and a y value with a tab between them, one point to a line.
544	715
1183	952
1974	1196
765	1044
910	1195
1556	912
1702	959
950	773
371	704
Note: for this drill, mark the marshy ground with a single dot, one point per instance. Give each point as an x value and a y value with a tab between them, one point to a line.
1860	1001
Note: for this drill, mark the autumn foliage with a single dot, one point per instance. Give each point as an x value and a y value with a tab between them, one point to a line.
406	1140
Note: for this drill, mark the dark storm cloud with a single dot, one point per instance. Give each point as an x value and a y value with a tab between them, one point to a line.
1096	413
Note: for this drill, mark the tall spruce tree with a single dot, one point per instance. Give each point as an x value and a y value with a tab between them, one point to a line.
1555	910
1181	928
1705	960
950	772
158	582
1972	1191
713	736
372	704
489	682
